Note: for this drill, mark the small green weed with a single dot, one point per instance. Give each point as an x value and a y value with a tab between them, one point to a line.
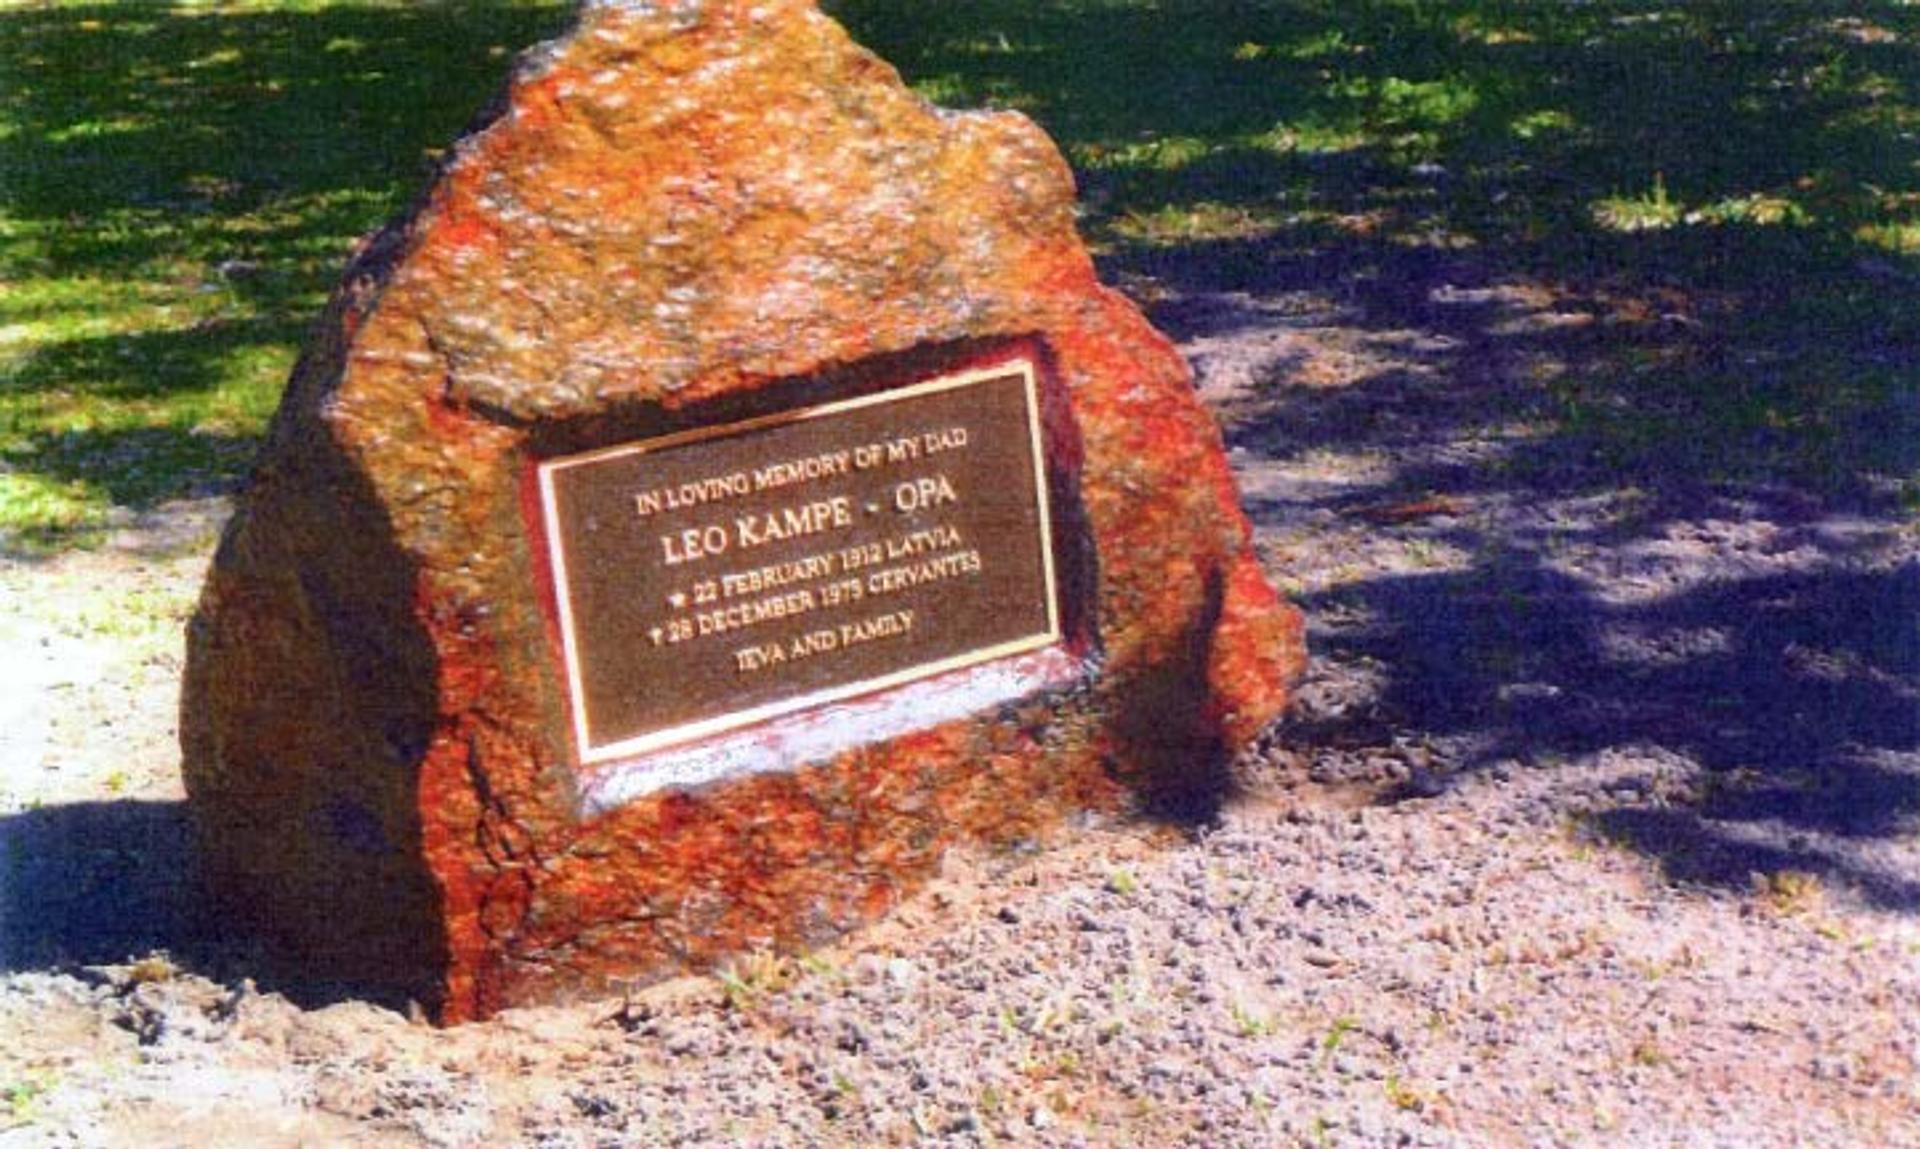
1647	1054
22	1099
1543	123
1790	893
1900	237
1336	1034
748	979
1653	210
155	967
818	966
1404	1096
1249	1023
1009	1021
739	994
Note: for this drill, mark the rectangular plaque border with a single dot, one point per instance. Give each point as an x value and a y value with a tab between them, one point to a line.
588	754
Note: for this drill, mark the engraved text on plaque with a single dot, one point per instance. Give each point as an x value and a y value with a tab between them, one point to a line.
725	576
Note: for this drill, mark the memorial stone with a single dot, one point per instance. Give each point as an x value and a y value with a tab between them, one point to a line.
729	488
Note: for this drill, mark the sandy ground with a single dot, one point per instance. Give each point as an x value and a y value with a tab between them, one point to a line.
1597	823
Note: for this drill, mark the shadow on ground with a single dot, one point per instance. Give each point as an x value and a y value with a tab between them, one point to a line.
1598	522
1798	694
93	883
107	883
1593	331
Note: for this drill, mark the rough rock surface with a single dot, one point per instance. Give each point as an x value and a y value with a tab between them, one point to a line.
678	214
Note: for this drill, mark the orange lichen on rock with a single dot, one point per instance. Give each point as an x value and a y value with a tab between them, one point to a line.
678	212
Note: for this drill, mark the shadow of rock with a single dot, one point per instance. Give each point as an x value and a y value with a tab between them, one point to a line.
103	883
97	882
1697	851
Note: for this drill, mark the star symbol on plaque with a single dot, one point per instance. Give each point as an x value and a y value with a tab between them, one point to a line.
676	600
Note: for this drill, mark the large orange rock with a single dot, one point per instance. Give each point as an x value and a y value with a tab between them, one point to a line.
680	214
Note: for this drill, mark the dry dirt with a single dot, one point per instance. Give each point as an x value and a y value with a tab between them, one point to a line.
1597	823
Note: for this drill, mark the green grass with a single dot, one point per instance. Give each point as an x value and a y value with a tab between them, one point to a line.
180	185
1745	175
21	1100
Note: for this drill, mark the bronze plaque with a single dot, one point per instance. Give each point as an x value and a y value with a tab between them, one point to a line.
725	576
